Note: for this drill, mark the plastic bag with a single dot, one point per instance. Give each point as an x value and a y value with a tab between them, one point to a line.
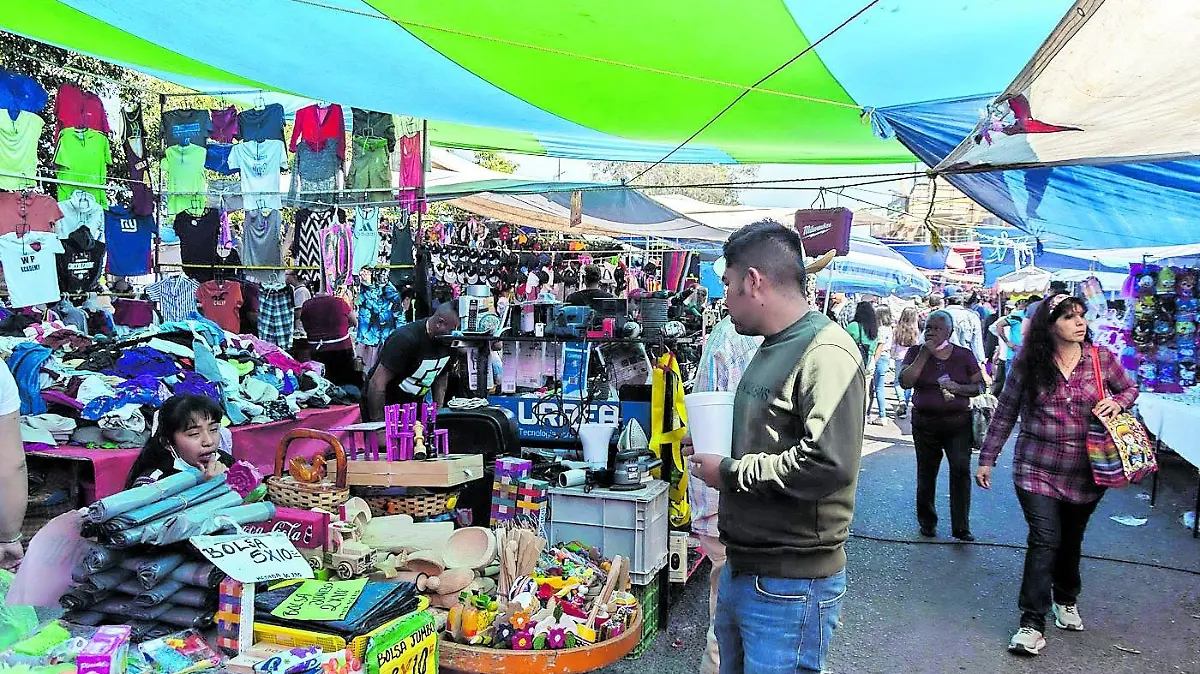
16	622
53	553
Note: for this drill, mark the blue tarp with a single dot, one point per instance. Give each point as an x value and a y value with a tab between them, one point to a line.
1073	207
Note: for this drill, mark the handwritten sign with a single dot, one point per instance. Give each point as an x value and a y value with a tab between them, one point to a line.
408	646
321	600
254	558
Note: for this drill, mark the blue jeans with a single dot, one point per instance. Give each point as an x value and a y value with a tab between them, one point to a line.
776	625
902	394
882	366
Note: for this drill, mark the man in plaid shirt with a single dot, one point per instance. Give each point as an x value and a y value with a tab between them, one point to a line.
726	356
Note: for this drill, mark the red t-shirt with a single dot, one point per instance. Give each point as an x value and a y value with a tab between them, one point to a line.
21	213
326	321
928	400
221	301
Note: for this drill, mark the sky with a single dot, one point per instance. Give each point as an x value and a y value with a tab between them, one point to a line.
549	168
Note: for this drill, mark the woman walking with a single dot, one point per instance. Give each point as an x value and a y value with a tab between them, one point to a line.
905	335
864	329
1054	389
944	377
883	365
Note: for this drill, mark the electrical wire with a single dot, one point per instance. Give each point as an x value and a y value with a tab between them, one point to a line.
768	76
1014	546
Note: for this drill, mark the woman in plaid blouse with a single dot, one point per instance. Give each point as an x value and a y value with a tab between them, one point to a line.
1053	387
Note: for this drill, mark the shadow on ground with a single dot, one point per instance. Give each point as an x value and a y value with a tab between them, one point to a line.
945	607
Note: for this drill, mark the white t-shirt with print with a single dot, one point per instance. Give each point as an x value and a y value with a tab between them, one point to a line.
30	268
10	396
258	164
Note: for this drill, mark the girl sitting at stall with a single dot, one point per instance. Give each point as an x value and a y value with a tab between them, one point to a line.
187	432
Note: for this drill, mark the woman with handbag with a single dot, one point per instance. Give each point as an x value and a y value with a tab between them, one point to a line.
1053	386
944	377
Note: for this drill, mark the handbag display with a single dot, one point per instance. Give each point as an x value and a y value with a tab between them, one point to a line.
1119	449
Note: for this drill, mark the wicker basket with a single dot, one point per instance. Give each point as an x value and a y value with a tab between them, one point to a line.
283	490
417	505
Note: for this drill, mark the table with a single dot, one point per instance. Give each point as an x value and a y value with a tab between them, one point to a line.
255	443
1173	419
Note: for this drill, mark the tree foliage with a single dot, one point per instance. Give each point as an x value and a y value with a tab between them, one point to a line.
671	178
490	159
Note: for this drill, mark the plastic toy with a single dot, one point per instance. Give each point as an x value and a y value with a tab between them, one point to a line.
1165	284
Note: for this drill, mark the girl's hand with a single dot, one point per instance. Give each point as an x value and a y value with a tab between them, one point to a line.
214	468
1107	409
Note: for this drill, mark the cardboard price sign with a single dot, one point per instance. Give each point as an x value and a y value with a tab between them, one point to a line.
254	558
321	600
407	647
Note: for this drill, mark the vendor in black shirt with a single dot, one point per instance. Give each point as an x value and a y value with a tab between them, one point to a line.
591	290
411	362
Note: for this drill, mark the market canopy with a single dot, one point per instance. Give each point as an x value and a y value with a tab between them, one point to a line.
1091	146
568	78
872	268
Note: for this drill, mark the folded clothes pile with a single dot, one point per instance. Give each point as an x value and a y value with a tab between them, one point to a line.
379	603
140	572
171	510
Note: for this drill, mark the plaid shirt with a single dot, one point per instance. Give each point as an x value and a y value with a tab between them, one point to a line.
1051	455
277	316
726	356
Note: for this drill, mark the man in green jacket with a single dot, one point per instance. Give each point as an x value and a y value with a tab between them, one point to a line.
787	492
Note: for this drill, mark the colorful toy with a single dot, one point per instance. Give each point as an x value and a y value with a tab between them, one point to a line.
1165	284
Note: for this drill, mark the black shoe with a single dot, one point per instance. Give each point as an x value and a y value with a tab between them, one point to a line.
929	532
964	536
902	413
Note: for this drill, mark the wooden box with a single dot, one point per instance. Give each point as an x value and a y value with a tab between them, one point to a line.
442	472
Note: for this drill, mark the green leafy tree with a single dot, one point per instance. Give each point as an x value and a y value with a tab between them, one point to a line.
490	159
685	179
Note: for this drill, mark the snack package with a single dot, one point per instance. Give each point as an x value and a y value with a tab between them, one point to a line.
182	653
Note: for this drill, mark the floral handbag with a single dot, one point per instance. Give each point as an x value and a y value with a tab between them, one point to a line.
1119	449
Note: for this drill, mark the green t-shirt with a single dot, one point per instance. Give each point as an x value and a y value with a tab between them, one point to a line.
83	156
18	148
860	338
185	173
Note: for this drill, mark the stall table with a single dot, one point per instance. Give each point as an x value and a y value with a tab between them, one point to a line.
255	443
1173	419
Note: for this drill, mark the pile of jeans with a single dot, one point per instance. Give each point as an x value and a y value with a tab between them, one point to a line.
141	571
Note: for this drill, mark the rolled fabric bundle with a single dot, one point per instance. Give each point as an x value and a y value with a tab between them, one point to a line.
114	607
158	594
198	574
131	587
78	599
105	580
161	508
145	630
134	563
88	618
195	597
199	520
132	499
152	572
127	538
100	558
149	612
186	617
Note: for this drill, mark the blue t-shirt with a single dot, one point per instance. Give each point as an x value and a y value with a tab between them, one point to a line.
129	239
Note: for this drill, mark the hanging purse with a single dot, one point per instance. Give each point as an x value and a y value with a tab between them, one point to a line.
1119	449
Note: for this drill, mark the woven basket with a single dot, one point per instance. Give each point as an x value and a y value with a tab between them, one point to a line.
417	505
285	491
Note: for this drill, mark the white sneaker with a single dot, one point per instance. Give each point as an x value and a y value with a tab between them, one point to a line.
1027	641
1067	617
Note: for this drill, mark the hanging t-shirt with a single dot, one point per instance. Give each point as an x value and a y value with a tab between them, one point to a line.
30	268
218	159
176	297
81	210
186	127
77	108
80	262
366	235
261	245
402	254
18	149
261	125
21	93
21	212
83	156
185	178
221	302
224	124
130	238
198	241
259	163
318	126
131	120
139	165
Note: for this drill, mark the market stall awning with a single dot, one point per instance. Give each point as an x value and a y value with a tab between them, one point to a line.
579	79
1027	280
1091	146
872	268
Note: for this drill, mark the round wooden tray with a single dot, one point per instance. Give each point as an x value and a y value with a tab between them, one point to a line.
454	657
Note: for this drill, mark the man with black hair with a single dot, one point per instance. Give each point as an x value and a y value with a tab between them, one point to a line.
411	363
787	490
591	289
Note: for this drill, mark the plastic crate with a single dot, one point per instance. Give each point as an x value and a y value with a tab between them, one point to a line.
632	524
647	596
